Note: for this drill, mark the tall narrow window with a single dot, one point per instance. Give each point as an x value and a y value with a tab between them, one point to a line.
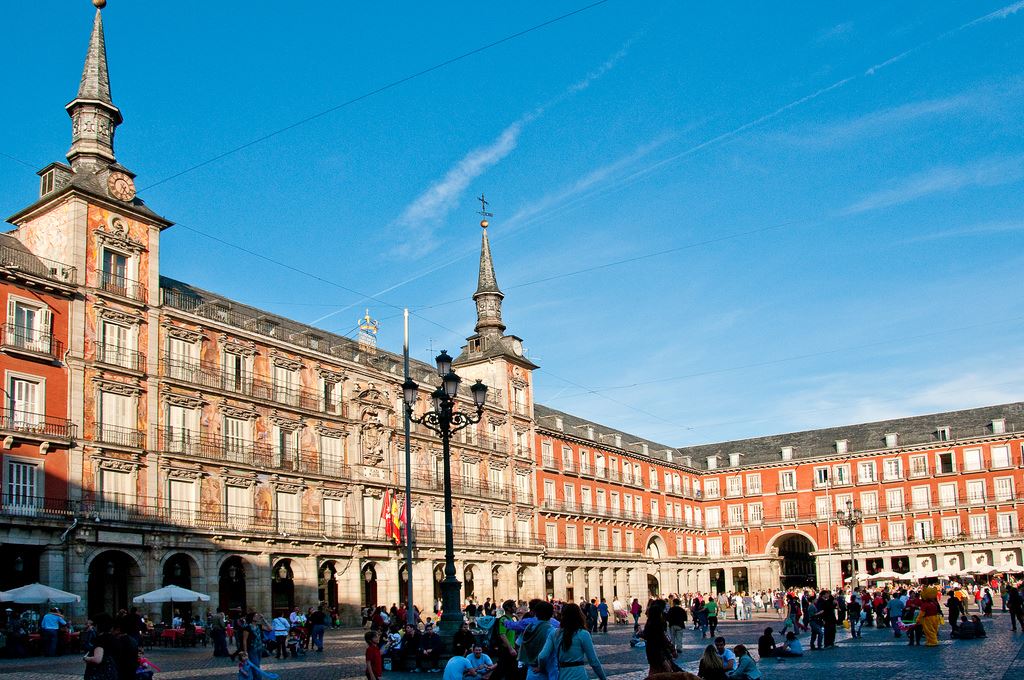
285	382
183	359
331	456
236	438
182	501
287	511
117	419
233	373
21	491
182	429
28	325
334	516
239	507
24	402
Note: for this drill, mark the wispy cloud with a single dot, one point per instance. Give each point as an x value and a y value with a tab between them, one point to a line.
837	32
594	75
832	134
943	179
970	231
562	198
427	210
438	200
1001	13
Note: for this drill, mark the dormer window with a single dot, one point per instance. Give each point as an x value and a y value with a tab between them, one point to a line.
46	183
558	423
943	434
734	460
712	462
842	445
644	448
999	426
668	455
590	431
618	441
891	440
688	461
787	453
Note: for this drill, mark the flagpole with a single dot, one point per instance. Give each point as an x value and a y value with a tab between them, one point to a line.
410	613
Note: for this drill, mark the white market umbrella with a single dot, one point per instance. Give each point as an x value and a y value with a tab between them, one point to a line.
170	594
983	570
909	576
885	575
860	577
37	593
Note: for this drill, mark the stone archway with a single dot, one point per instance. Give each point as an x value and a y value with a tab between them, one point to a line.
282	587
798	564
114	578
231	584
179	569
328	590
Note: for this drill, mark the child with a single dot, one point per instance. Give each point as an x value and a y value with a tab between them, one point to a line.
146	668
374	663
247	670
293	644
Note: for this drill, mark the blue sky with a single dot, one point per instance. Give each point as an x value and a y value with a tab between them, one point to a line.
815	208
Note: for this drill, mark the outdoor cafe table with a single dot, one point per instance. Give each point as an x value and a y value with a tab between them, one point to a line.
175	634
65	640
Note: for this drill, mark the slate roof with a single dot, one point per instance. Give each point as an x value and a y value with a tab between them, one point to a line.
913	430
194	300
604	436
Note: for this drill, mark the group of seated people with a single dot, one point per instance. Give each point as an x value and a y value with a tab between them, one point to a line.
766	646
416	652
968	629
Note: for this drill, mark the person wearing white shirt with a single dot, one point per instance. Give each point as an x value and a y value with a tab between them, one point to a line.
280	627
481	663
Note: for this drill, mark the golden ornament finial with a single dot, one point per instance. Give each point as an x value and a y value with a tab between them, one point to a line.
99	4
484	223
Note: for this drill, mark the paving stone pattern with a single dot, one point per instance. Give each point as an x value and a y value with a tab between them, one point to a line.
877	654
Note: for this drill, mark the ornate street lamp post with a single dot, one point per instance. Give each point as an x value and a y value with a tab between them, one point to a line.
445	420
850	519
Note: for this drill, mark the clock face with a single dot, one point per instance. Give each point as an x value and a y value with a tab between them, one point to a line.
121	186
517	347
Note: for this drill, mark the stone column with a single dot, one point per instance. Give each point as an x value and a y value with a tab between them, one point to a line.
257	581
561	581
729	583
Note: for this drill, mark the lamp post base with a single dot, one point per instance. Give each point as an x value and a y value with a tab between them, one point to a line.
451	614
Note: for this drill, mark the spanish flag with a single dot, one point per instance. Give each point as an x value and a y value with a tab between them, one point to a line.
385	513
396	520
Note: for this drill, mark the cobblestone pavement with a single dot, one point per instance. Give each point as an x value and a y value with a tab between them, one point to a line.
877	654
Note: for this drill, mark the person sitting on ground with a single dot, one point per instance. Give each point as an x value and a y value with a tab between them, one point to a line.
458	667
429	653
745	669
711	666
482	663
728	658
791	647
766	646
968	629
462	643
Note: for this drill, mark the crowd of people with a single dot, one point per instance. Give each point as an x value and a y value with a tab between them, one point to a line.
549	639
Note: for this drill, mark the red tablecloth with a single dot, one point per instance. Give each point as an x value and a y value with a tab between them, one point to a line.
175	633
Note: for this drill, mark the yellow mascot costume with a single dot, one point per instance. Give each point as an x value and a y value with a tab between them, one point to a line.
929	619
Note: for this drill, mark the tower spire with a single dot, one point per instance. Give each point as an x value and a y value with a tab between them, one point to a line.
93	114
488	296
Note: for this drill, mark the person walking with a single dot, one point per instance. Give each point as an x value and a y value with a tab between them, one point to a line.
676	619
602	613
280	626
635	609
1015	605
318	626
572	647
828	618
218	633
711	607
50	627
657	645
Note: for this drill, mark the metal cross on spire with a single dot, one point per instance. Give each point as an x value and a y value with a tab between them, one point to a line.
483	207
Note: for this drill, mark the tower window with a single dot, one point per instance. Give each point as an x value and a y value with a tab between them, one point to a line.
46	184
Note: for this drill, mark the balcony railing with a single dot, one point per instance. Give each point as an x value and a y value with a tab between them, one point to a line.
473	486
121	285
36	425
21	261
13	336
120	435
187	516
119	356
430	535
259	455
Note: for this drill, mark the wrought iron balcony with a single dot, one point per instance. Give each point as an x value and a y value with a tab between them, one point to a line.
30	340
36	425
260	455
113	355
122	286
19	261
120	435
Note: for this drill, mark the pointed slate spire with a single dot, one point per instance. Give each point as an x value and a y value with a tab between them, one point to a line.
93	114
488	296
95	83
